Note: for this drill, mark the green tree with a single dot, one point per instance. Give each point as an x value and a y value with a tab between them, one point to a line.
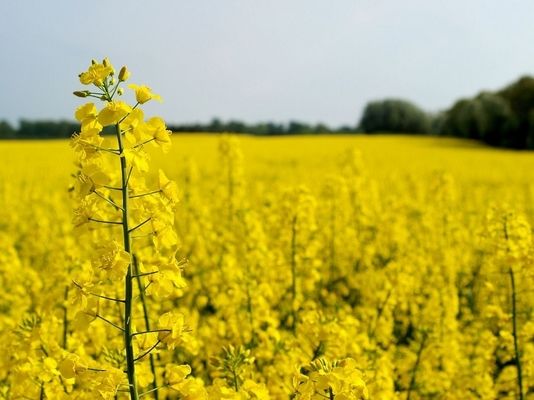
394	115
6	130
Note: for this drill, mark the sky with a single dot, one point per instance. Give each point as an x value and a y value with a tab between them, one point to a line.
271	60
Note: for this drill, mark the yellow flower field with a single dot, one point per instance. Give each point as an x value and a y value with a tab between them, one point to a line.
310	267
392	252
329	267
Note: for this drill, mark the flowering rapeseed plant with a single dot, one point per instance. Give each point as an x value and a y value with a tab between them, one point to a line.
131	227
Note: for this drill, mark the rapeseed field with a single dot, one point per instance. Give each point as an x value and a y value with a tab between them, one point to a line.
157	266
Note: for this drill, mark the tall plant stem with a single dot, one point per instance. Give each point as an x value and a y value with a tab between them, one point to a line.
65	319
514	332
416	366
147	324
128	287
294	273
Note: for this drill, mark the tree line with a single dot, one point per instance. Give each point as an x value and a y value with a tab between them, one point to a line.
45	129
503	118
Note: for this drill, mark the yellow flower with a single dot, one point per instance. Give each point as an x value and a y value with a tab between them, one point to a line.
87	143
168	187
110	381
137	158
96	74
174	325
165	236
175	374
87	116
96	174
143	93
157	129
113	112
113	260
168	280
89	208
70	367
88	110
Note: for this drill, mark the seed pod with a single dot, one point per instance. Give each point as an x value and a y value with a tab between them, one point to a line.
79	93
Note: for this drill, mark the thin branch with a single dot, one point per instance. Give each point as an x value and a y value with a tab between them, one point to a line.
151	331
127	130
108	298
139	225
109	322
108	200
145	194
154	389
148	351
129	175
123	118
113	188
98	295
145	274
145	142
105	222
96	370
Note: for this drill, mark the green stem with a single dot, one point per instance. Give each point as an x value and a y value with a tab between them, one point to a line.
416	366
514	332
236	382
142	296
65	319
332	240
128	287
293	273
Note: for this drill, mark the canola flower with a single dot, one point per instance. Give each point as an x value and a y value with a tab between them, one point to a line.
114	197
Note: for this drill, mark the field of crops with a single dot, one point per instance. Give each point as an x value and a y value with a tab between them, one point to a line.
319	267
393	251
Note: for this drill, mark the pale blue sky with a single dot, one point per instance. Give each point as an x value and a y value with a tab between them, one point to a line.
310	60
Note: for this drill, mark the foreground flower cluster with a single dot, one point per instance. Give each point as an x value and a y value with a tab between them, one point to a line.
220	286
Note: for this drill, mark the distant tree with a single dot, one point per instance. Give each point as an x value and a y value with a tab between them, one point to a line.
215	126
463	119
321	128
6	130
520	96
498	120
346	129
296	128
236	127
437	120
272	128
44	129
487	117
394	115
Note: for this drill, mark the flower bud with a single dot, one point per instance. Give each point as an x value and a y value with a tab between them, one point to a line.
124	74
84	93
112	81
120	92
93	61
107	64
